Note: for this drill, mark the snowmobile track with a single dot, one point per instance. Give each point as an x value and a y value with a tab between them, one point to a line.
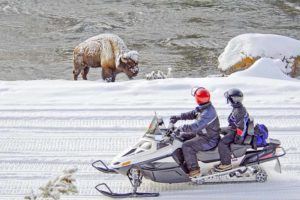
274	123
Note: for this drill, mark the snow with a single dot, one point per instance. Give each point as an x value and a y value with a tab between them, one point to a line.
258	45
54	189
134	55
159	74
47	126
266	68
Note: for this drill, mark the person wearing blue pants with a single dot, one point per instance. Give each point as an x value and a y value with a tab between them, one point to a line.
201	135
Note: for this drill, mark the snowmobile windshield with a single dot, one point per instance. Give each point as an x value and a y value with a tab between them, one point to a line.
154	127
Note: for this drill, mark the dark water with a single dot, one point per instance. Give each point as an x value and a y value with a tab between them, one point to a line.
38	36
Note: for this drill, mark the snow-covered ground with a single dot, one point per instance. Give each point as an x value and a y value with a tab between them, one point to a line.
49	125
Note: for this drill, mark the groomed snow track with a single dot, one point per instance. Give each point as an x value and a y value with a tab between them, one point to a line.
38	141
38	147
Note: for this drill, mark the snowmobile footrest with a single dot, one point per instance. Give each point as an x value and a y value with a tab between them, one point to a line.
110	193
102	168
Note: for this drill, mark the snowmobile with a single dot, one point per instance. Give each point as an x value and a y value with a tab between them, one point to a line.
158	156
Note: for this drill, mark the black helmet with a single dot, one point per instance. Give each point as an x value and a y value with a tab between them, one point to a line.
234	96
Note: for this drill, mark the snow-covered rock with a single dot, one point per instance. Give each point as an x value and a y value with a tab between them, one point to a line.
266	68
242	51
159	75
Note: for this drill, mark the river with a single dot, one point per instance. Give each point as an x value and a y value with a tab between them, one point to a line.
38	36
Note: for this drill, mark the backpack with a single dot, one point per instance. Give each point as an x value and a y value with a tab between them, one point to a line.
261	134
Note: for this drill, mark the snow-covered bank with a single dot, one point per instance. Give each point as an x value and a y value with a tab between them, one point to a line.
141	93
265	68
47	126
243	50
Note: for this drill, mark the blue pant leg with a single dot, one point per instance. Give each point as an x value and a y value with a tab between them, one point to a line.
190	149
224	147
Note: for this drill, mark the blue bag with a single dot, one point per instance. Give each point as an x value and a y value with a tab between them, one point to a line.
261	134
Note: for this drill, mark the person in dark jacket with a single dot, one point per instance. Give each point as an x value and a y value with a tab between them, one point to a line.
201	135
235	130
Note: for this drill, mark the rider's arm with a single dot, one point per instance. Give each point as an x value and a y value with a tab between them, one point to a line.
188	115
207	117
238	117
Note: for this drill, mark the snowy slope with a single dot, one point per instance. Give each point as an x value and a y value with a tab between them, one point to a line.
265	68
47	126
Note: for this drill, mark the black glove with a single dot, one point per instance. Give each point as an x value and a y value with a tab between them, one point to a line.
183	136
174	119
177	132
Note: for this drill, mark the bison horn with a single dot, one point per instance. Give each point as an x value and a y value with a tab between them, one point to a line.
123	59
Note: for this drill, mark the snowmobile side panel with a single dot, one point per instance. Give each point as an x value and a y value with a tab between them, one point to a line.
165	170
265	155
172	175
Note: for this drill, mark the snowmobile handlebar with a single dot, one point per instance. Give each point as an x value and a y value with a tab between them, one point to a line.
171	125
171	128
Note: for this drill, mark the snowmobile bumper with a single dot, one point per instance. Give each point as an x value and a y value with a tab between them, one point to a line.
102	167
109	193
279	152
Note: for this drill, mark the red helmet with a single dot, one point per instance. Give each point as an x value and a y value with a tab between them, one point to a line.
202	95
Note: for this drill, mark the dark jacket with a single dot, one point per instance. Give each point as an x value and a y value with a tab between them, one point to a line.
236	119
207	123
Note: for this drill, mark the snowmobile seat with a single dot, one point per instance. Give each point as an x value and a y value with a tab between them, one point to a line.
208	156
239	150
213	154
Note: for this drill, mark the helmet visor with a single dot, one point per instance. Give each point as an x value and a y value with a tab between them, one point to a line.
193	91
226	95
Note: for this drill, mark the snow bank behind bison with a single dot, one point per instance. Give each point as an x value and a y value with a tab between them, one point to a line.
107	51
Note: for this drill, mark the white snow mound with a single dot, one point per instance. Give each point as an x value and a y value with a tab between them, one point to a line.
258	45
266	68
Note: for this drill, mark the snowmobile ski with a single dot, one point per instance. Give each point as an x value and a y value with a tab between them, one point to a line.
110	193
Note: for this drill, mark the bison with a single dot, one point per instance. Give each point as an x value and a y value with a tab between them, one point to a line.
107	51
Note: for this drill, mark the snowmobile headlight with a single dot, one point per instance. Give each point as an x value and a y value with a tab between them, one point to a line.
145	146
124	164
